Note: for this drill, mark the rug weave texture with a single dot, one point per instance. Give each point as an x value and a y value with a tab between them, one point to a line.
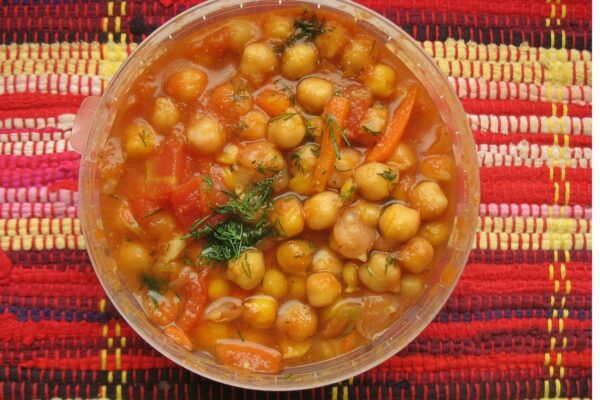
519	322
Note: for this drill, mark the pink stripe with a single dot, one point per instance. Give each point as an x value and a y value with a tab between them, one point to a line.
534	210
37	161
37	195
37	210
38	177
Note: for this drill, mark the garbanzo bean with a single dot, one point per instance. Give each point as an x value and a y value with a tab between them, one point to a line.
439	167
274	284
297	320
218	287
411	285
375	180
162	309
262	157
133	258
359	53
381	273
304	159
322	210
187	84
299	60
380	78
139	140
295	256
297	285
312	94
331	42
165	114
314	128
240	33
399	223
350	276
205	135
278	27
344	167
325	260
247	270
259	311
375	119
368	212
322	289
258	61
252	126
416	255
286	130
429	199
437	232
286	216
403	158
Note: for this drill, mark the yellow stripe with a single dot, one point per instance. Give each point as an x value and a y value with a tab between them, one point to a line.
533	225
42	242
37	226
533	241
105	69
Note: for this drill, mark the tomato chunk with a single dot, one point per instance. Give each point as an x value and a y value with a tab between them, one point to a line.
195	293
164	170
248	355
360	100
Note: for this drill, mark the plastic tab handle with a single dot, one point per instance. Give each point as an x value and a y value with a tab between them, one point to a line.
82	122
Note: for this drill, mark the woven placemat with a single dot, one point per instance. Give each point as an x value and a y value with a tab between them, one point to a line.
518	324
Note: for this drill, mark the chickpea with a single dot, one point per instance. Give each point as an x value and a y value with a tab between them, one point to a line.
403	158
247	270
437	232
302	184
262	156
375	180
286	216
274	284
381	273
331	42
187	84
403	188
232	99
375	119
325	260
162	226
322	289
281	180
229	155
165	114
297	287
253	126
380	78
314	128
218	287
133	258
205	135
350	276
322	210
312	94
416	255
344	167
304	159
299	60
368	213
429	199
296	320
278	27
295	256
293	349
439	167
259	311
139	140
258	60
411	285
287	130
358	54
240	33
399	223
162	309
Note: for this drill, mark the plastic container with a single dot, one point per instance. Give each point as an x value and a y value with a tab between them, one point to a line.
92	128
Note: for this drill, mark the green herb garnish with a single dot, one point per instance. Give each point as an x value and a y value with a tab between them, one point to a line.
143	135
307	27
333	125
297	160
347	195
152	213
209	184
283	116
390	262
371	131
114	196
238	91
150	282
388	174
240	335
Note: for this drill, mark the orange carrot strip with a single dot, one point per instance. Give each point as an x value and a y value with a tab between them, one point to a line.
273	102
338	109
248	355
387	143
179	336
195	297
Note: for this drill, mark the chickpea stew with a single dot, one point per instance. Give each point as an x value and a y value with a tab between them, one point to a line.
276	189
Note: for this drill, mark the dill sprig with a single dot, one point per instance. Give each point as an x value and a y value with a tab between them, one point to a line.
247	205
283	116
333	125
371	131
151	283
152	213
388	174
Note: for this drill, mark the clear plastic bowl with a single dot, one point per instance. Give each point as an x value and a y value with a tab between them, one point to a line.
91	133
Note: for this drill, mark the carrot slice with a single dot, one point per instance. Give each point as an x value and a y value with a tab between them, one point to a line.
248	355
195	297
273	102
179	337
336	113
391	137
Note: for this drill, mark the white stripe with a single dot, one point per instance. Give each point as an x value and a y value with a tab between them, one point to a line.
52	83
505	124
63	122
33	136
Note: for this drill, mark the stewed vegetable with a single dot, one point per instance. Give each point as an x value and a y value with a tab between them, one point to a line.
276	189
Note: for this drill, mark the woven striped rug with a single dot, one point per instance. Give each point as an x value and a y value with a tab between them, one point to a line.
518	324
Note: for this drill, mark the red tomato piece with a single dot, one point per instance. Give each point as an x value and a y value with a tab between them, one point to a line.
360	100
164	170
195	294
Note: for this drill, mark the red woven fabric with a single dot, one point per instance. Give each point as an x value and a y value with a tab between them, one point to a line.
519	322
